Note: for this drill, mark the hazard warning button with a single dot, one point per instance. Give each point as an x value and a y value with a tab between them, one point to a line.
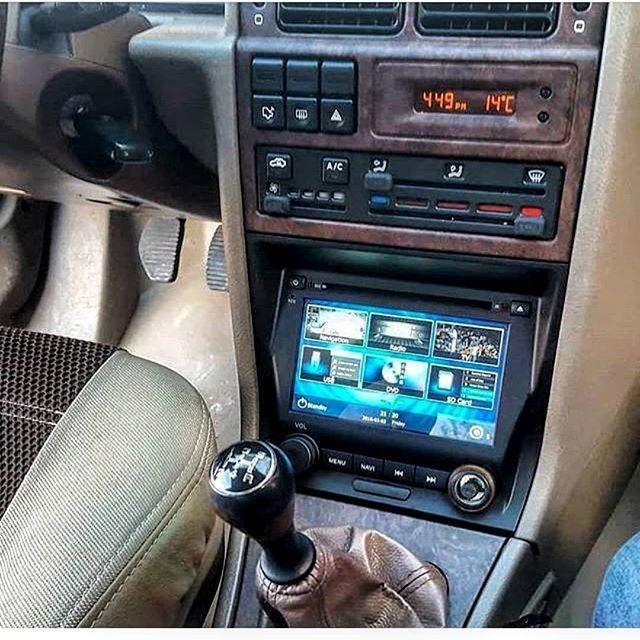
337	116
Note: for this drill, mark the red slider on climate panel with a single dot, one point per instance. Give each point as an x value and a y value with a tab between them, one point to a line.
532	212
453	205
495	208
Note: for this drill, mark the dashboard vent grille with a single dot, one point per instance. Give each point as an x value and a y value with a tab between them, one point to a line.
341	17
488	19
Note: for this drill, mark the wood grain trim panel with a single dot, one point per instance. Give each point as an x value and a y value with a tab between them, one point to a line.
581	51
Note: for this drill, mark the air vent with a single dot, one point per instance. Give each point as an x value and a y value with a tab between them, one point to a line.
488	19
340	17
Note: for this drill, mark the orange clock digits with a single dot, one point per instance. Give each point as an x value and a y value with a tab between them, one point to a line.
471	102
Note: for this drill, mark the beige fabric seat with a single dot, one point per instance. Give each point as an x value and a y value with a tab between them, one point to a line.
105	517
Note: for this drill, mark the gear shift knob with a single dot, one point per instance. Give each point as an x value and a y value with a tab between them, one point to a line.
253	489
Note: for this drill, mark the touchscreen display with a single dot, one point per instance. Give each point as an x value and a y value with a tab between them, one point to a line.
428	373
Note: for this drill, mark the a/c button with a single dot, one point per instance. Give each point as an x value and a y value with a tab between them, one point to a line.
335	170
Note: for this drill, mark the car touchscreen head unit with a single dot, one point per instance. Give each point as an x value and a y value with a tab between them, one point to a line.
436	374
428	373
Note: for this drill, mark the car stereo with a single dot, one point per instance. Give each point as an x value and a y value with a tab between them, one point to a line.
433	375
420	372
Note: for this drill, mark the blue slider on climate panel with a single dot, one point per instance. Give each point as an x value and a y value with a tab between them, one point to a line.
379	201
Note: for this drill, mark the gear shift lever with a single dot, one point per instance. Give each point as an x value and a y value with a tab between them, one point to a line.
252	485
326	577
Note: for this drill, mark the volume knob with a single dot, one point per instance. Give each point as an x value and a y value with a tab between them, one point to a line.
302	451
471	488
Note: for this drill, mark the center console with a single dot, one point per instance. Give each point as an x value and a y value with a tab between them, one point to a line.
410	175
410	194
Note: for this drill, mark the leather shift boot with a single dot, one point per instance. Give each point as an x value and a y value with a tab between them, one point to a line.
361	578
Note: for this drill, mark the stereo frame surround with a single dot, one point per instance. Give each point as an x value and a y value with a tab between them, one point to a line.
272	260
405	446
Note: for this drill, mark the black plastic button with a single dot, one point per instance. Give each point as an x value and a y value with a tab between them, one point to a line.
297	282
276	205
267	75
302	114
335	171
399	472
337	460
268	112
520	308
379	489
302	77
338	79
365	466
337	116
526	226
375	181
279	166
431	478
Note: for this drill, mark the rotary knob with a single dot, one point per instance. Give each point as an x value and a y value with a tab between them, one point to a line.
471	488
302	451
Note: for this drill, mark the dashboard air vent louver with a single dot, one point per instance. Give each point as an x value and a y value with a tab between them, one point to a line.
375	18
488	19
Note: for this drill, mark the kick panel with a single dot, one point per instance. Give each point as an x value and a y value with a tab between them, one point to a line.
473	196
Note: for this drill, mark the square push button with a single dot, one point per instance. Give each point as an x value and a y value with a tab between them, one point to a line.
365	466
335	171
338	79
520	308
399	472
302	77
337	116
267	75
278	166
302	114
336	460
268	112
431	478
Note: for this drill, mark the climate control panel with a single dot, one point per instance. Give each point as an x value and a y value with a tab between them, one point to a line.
453	194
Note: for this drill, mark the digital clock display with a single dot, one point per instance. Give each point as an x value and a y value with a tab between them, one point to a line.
471	102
